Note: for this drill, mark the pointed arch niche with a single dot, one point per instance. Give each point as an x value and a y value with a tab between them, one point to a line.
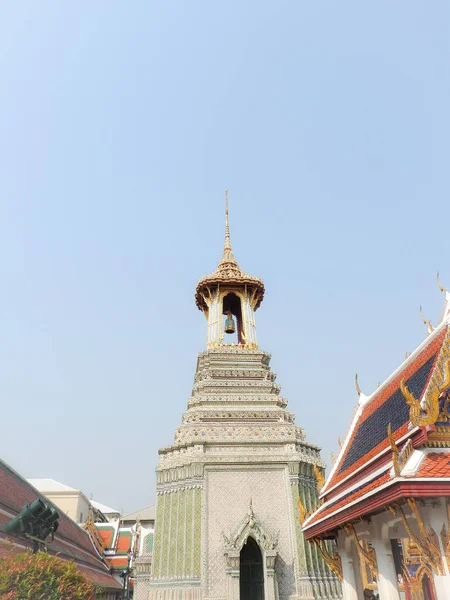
232	305
251	531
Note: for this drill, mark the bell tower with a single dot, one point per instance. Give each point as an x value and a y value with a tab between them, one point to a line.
229	298
233	484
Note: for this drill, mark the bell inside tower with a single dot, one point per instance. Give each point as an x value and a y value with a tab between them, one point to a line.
232	311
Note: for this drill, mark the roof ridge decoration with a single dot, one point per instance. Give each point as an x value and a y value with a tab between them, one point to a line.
430	327
446	308
408	368
431	410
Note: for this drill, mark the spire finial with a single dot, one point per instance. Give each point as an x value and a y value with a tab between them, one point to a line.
227	226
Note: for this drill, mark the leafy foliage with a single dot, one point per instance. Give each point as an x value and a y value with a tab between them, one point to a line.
42	577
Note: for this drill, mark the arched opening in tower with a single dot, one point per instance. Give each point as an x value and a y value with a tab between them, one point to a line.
251	576
232	317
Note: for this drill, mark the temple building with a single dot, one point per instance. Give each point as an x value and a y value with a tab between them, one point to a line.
228	488
386	500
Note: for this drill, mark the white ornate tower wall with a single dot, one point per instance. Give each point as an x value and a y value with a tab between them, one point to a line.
239	467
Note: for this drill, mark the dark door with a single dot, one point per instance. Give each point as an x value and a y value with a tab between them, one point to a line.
251	575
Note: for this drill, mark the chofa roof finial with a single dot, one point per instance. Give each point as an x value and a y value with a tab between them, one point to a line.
427	323
358	389
441	287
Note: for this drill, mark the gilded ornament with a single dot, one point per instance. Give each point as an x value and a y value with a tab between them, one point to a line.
367	555
333	561
302	511
395	452
427	542
431	411
445	537
320	478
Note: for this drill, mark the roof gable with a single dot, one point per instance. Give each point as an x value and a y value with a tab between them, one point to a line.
368	434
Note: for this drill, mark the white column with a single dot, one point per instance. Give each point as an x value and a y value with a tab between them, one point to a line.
435	514
270	592
349	591
387	575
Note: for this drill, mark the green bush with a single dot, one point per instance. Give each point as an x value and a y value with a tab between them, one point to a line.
40	576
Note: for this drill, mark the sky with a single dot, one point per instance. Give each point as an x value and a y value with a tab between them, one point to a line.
121	124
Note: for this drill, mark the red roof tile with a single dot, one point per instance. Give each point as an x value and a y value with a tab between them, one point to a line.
436	464
70	542
351	497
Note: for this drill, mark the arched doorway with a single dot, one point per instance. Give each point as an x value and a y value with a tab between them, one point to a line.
427	588
251	584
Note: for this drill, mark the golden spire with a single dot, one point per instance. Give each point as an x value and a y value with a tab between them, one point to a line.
228	259
227	245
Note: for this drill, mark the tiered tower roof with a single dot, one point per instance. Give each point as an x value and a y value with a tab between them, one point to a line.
228	272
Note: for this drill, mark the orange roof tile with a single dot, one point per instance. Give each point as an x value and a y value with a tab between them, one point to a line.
436	464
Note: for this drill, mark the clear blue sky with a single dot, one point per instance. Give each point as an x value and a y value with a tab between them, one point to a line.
121	123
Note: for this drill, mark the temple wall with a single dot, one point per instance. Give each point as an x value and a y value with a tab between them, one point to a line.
227	499
178	534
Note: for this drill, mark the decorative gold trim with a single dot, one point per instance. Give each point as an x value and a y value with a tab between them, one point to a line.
429	413
427	542
445	537
365	555
302	511
399	457
395	452
415	582
333	561
95	536
320	478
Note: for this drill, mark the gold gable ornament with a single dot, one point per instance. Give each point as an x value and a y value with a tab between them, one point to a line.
429	413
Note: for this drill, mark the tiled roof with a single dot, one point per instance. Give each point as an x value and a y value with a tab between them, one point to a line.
70	540
347	499
368	436
435	464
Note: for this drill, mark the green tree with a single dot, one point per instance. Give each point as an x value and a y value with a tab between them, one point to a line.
42	577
